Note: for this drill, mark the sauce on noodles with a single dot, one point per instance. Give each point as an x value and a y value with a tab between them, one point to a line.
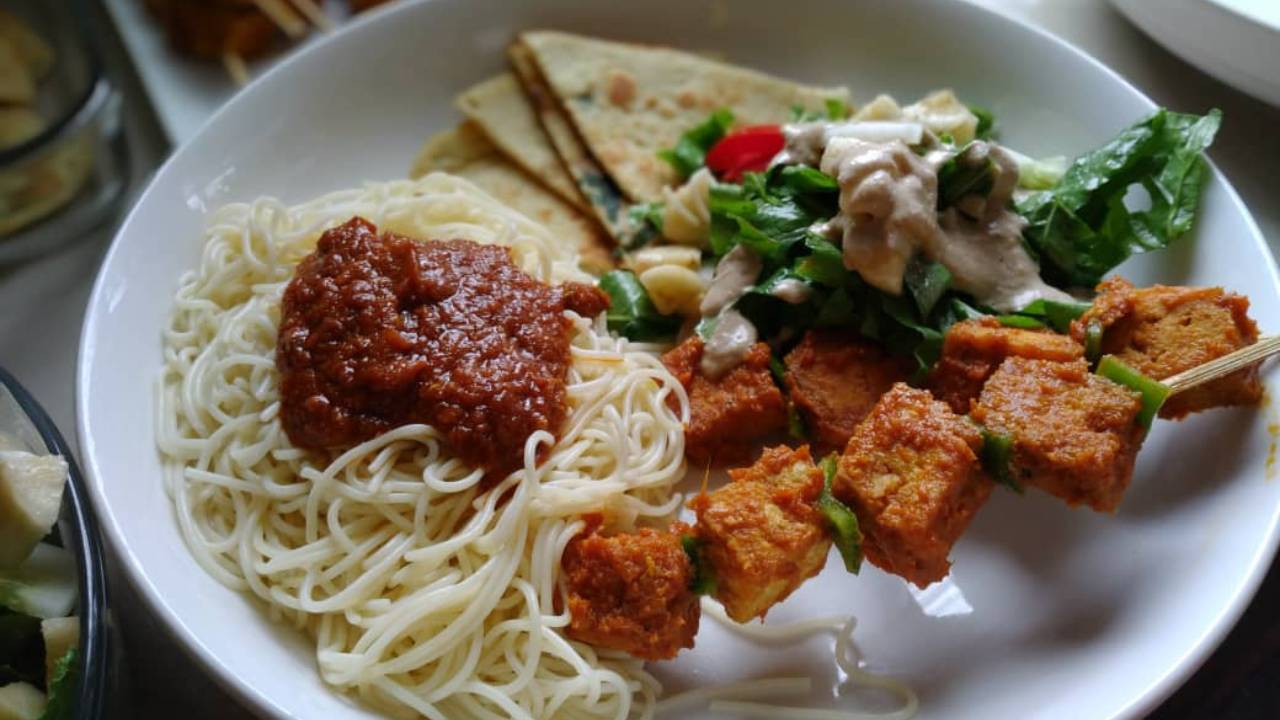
383	330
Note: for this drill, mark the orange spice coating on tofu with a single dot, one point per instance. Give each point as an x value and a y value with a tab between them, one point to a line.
761	534
1163	330
1074	433
973	349
631	592
728	415
834	378
912	476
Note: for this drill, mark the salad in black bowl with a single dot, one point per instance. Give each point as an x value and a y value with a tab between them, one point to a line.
53	627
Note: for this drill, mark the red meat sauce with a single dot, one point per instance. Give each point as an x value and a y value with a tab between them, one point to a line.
381	330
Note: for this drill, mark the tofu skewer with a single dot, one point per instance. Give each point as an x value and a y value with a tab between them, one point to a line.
1224	366
916	469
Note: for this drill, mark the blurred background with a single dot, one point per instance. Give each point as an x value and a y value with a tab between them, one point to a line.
95	94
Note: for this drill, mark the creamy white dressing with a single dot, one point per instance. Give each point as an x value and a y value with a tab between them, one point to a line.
791	290
735	273
888	207
806	141
888	213
728	345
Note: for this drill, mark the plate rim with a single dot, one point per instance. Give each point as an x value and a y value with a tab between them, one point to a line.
1141	703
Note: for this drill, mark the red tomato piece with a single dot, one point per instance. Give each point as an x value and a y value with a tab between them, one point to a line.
747	150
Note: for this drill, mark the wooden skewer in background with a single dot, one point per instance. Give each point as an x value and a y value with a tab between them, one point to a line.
283	16
1223	366
312	12
236	68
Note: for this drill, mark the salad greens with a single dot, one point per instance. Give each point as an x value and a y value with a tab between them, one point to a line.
631	312
61	691
1082	227
1079	227
986	128
690	152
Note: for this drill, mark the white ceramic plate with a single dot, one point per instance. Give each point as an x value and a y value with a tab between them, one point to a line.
1236	41
1070	614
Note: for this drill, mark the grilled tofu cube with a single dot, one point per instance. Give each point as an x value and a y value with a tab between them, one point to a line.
632	592
973	349
1074	433
835	378
1163	330
761	533
911	474
730	414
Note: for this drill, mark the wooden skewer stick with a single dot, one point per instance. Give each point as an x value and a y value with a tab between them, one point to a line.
314	14
283	16
1223	366
236	68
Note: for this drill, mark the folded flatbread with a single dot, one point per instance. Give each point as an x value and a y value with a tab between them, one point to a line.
595	185
467	152
628	102
503	111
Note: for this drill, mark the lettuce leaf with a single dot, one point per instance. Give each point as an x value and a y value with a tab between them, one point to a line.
631	312
690	152
62	688
1082	227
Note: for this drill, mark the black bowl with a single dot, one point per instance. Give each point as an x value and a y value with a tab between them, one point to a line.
77	531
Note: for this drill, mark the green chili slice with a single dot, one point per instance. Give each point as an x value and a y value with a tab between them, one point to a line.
997	458
1093	341
1153	392
845	534
704	579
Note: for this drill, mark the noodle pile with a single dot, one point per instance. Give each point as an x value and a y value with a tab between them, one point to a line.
425	595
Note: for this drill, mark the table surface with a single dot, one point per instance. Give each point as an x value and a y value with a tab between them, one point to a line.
44	302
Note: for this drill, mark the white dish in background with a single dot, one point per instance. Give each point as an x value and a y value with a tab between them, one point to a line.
1236	41
1069	614
184	91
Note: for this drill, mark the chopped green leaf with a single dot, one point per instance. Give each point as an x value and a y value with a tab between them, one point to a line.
1153	392
804	179
704	578
986	122
825	263
837	109
997	458
927	281
967	172
631	312
62	687
845	534
1082	227
690	152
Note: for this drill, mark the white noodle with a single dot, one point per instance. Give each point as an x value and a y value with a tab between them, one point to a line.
732	699
425	595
